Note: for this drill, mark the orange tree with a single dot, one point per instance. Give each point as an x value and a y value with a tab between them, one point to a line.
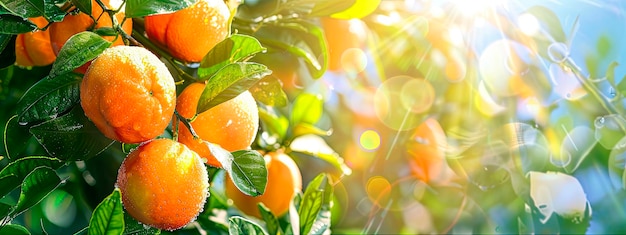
97	148
307	117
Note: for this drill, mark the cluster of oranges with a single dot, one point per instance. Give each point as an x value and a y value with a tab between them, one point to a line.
41	48
130	96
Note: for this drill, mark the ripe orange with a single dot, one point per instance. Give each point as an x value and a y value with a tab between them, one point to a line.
164	184
191	33
232	125
426	148
72	24
342	35
129	94
34	49
283	182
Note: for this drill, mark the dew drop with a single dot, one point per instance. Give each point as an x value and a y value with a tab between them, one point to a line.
599	122
612	92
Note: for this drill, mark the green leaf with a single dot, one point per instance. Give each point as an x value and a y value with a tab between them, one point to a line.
300	38
12	24
7	57
621	86
52	12
269	91
235	48
78	50
274	124
249	172
5	209
229	82
14	229
49	98
132	227
127	148
246	168
305	129
82	5
316	146
603	46
271	222
71	137
36	186
218	199
608	130
24	8
105	31
307	108
140	8
322	223
317	195
13	174
108	217
360	9
551	28
329	7
576	146
83	231
239	225
15	138
610	72
550	22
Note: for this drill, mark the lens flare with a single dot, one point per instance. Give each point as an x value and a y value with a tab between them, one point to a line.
378	189
500	64
399	100
353	61
370	140
528	24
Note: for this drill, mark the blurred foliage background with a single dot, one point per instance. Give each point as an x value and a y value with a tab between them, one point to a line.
454	116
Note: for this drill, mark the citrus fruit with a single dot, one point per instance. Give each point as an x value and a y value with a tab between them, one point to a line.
190	33
426	148
342	35
232	125
163	184
34	49
129	94
283	182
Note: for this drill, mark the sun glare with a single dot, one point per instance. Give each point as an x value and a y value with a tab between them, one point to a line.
471	8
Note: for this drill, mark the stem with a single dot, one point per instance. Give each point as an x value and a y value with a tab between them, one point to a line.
187	123
593	90
145	42
128	40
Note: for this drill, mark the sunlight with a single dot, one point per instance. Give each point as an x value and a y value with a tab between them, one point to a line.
476	7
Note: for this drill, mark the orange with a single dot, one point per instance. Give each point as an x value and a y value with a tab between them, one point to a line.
34	49
72	24
426	148
190	34
164	184
283	182
232	125
342	35
129	94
